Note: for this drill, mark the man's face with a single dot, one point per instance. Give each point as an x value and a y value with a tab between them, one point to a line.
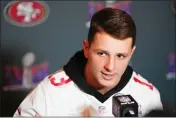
107	58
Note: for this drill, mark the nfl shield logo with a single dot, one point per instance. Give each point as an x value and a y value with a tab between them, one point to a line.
101	109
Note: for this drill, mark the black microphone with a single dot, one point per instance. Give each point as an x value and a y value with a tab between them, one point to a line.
124	106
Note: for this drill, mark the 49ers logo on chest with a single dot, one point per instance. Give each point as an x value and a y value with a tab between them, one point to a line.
59	79
26	13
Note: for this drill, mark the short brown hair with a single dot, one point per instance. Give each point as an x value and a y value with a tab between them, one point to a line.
115	22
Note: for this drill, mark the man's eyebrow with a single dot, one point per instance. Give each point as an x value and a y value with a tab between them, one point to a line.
122	53
101	50
106	52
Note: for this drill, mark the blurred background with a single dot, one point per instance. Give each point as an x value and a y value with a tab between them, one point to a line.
38	38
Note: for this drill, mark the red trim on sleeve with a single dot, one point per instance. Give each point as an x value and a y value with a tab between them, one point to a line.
143	83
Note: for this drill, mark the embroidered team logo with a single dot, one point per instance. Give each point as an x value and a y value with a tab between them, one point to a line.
26	13
101	109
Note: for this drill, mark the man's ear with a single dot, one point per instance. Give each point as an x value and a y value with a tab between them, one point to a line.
85	48
134	48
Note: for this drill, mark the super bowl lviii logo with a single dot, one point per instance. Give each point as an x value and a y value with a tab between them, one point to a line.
25	76
26	13
94	6
171	67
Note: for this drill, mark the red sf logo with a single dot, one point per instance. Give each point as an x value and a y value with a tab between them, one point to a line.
26	13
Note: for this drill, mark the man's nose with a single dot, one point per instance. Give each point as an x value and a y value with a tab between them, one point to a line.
110	64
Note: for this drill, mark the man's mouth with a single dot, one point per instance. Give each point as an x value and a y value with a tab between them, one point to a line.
108	76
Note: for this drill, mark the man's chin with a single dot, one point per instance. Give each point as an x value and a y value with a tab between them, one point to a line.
108	84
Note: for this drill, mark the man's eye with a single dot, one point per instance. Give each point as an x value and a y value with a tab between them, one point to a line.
120	56
101	53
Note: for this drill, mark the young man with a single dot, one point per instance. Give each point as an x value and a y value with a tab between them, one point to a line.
86	84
